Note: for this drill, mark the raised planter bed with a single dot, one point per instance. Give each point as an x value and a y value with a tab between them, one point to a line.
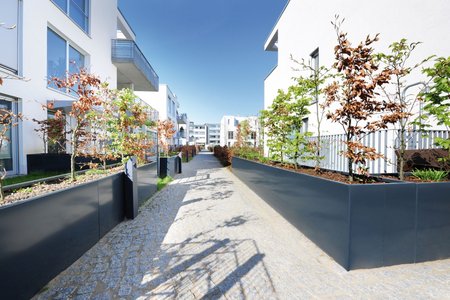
359	226
147	181
169	166
43	235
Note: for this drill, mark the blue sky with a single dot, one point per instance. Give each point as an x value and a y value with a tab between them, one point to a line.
210	52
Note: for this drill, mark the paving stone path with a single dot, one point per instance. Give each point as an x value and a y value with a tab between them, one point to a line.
207	236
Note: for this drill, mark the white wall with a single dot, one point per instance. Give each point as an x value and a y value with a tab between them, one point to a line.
37	16
305	25
230	123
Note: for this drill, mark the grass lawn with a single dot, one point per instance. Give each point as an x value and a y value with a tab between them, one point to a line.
29	177
162	182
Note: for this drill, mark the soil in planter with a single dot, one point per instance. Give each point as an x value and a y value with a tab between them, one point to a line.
331	175
59	184
414	179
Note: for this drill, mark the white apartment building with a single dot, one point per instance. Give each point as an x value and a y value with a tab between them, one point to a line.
52	37
183	129
213	130
228	130
166	103
304	31
199	134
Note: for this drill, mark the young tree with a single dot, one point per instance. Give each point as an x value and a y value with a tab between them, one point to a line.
397	61
314	83
52	132
275	126
242	133
437	99
126	120
283	122
84	86
165	133
358	109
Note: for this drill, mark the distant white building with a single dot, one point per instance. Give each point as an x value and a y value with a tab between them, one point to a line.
200	135
213	134
166	103
50	39
228	130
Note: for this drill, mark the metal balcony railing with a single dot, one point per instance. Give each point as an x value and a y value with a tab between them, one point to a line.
124	51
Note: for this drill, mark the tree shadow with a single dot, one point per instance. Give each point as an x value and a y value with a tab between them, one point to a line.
135	261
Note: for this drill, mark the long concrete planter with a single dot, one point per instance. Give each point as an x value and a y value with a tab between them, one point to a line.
42	236
359	226
147	181
169	166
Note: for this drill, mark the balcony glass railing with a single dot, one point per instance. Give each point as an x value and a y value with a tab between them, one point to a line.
128	51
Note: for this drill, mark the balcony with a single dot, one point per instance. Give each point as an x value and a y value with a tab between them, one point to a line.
132	66
182	119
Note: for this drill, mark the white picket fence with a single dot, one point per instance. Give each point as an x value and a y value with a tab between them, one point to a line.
384	141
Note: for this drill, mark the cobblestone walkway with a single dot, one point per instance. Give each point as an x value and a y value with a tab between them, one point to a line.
207	236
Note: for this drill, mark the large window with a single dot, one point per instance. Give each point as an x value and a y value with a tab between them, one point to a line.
61	57
230	135
77	10
9	12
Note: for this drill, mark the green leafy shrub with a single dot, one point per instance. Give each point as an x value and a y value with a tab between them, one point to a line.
430	174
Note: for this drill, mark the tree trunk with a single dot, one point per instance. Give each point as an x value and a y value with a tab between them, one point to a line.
74	143
2	194
350	170
319	137
401	157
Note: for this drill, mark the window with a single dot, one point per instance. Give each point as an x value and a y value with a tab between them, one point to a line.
9	16
56	55
77	10
253	135
315	65
304	128
230	135
76	60
61	57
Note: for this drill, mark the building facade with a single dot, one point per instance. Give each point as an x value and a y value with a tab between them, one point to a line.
166	103
213	134
200	135
51	38
304	31
183	129
229	126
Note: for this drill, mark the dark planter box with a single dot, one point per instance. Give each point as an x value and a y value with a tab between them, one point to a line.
59	162
163	167
168	166
360	226
147	181
42	236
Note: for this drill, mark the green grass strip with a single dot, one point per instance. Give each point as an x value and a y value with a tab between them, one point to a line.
162	182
